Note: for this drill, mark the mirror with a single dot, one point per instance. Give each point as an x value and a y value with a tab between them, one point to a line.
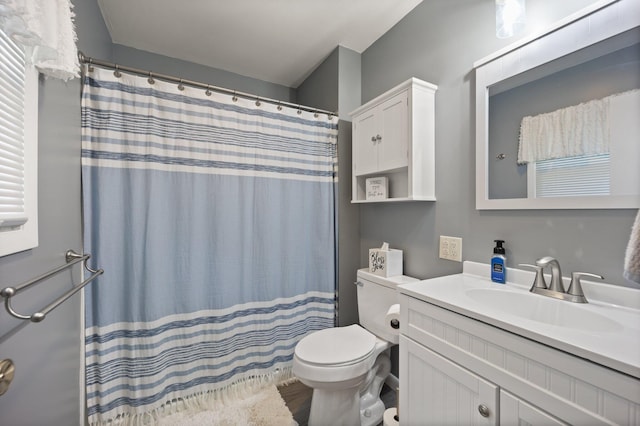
585	61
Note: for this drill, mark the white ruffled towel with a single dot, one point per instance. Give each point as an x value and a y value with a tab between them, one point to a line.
632	257
45	28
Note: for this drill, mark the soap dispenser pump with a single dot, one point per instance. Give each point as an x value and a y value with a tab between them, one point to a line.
498	263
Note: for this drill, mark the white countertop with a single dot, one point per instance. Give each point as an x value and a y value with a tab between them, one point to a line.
614	342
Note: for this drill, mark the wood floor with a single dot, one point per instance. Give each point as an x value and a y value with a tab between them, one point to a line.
298	399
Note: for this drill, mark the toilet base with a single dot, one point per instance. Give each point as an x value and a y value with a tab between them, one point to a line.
371	406
339	407
372	415
354	405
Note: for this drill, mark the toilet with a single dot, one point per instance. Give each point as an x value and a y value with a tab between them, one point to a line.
347	366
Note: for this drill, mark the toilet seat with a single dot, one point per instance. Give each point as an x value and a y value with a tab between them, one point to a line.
338	346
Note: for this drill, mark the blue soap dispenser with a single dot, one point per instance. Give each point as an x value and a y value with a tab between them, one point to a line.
498	263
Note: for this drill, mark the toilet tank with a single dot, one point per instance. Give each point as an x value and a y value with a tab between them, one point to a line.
375	296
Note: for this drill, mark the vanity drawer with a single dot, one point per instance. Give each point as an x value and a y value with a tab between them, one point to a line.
568	387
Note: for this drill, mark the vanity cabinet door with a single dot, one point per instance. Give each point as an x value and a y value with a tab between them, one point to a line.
436	391
515	411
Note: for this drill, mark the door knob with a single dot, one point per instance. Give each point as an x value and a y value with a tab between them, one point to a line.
484	410
7	370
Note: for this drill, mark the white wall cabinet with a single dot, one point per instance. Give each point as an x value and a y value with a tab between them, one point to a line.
380	142
394	137
455	370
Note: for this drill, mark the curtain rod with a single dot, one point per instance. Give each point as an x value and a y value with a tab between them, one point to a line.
181	81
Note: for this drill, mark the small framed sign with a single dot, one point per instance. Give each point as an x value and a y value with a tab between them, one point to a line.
377	188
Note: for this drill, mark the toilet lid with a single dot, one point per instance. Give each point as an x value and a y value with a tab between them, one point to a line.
340	345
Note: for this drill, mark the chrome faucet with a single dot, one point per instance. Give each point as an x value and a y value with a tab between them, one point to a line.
556	287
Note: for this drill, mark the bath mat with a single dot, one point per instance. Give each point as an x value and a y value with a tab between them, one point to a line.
263	408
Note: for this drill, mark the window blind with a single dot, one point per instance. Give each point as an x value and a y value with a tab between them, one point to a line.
12	156
573	176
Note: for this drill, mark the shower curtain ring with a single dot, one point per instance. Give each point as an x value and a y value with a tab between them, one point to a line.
258	103
150	79
208	91
299	110
315	114
117	72
279	107
234	98
180	86
90	67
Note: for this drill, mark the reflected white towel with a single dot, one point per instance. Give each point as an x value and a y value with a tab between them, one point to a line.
632	257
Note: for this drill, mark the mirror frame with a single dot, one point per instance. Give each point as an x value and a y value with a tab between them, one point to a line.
591	25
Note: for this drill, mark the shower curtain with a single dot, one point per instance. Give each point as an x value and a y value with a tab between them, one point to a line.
214	219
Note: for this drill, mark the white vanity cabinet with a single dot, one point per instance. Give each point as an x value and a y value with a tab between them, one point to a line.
456	370
441	392
515	411
394	137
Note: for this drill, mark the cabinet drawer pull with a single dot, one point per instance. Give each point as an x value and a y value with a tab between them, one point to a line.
373	139
378	138
484	410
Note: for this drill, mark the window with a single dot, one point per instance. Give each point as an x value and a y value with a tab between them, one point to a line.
18	149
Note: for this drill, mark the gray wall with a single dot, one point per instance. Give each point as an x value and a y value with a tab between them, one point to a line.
46	387
320	88
162	64
349	98
438	42
335	86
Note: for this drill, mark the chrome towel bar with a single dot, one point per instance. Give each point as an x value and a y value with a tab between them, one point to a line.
71	258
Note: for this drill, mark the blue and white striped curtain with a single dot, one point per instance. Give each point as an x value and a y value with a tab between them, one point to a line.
214	220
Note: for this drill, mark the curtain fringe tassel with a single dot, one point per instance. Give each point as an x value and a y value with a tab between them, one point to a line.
207	400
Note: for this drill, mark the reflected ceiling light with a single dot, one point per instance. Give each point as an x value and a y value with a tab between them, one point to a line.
510	17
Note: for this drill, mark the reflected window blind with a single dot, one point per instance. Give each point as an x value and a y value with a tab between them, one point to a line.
12	86
573	176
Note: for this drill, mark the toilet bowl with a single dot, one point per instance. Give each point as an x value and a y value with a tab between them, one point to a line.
347	366
338	363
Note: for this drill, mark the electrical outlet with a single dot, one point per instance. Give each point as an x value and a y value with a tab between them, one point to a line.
451	248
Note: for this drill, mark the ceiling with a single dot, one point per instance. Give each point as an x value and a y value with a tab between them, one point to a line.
279	41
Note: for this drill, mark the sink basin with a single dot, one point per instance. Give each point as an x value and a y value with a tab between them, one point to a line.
544	309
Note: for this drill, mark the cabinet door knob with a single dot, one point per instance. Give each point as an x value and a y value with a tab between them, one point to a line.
373	139
378	138
484	410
